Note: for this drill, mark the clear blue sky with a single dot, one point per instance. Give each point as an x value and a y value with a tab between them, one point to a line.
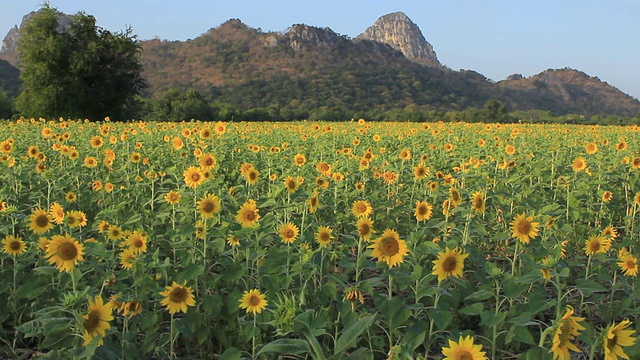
493	37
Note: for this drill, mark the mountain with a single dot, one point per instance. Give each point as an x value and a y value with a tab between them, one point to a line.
9	79
398	31
313	71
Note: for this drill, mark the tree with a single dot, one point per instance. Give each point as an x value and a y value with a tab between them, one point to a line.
78	70
495	111
6	108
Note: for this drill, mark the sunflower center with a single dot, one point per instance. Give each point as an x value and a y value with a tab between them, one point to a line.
422	209
288	233
594	246
195	177
208	207
249	215
137	242
324	236
612	342
449	264
364	229
630	264
420	171
93	321
390	246
291	184
252	176
314	201
524	227
42	220
178	295
361	208
477	203
67	251
115	233
254	300
465	355
15	245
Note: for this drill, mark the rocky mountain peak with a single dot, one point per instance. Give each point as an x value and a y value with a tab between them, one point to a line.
399	32
301	34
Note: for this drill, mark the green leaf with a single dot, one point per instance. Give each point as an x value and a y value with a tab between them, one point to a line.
349	335
231	354
285	346
183	325
588	287
473	309
490	319
480	295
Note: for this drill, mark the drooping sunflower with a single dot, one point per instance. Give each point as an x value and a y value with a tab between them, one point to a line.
389	248
248	213
568	328
76	218
114	233
288	233
579	164
193	177
628	264
253	301
172	197
40	221
314	202
324	236
127	258
361	208
291	184
96	321
454	195
365	228
209	205
13	246
597	244
65	252
607	196
524	228
352	295
423	211
177	297
137	242
478	203
616	337
449	263
463	349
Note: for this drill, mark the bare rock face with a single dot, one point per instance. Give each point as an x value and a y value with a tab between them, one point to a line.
399	32
9	50
301	35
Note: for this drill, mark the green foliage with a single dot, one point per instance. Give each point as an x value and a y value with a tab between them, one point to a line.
81	71
6	106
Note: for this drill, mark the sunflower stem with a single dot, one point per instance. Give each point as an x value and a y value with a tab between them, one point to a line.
171	339
515	259
390	297
431	320
586	276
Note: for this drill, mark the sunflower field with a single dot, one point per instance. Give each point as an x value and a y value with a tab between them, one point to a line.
363	240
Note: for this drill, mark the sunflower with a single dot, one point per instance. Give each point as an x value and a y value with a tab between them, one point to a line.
579	164
207	161
177	298
291	184
456	198
177	143
361	208
510	149
220	128
568	328
447	206
636	198
610	232
127	258
43	243
607	196
172	197
616	337
352	295
389	248
420	171
365	228
591	148
597	244
324	168
288	232
313	202
248	213
390	177
13	245
424	210
70	197
3	206
464	349
193	177
96	321
321	182
449	263
251	176
208	206
324	236
621	146
299	160
96	142
205	133
359	186
478	203
137	242
76	218
108	187
628	264
90	162
40	221
405	154
524	228
33	151
65	252
96	185
114	233
253	301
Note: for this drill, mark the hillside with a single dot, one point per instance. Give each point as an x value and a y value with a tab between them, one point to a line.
9	78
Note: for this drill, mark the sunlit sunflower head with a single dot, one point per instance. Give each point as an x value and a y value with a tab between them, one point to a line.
137	242
616	336
313	202
209	205
610	232
251	176
478	203
621	146
389	248
207	161
193	177
510	149
454	195
13	245
420	172
636	198
248	213
96	321
566	330
463	349
449	263
405	154
324	168
177	298
70	197
607	196
300	160
591	148
291	184
172	197
579	164
359	186
324	236
288	232
220	128
361	208
114	233
96	142
597	244
40	221
524	228
628	264
90	162
423	211
64	252
253	301
206	133
127	259
365	228
76	218
96	185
